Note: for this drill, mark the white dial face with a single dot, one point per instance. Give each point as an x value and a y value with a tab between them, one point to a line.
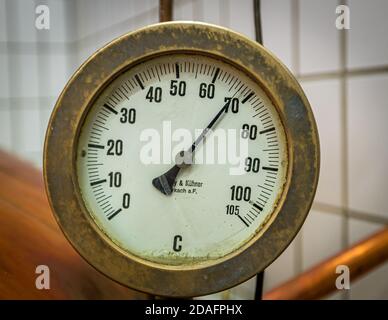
138	125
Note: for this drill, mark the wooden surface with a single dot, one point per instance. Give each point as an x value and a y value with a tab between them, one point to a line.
29	236
319	281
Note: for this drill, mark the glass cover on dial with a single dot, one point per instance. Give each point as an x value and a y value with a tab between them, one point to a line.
133	133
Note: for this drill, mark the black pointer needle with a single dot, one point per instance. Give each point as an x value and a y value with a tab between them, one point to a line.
164	183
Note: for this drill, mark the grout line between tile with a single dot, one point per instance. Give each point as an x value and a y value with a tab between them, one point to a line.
13	72
225	13
344	140
197	10
354	214
357	72
295	58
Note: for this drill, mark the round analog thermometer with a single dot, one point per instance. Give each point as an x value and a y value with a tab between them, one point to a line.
181	159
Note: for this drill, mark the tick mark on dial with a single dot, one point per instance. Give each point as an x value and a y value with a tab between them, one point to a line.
247	98
243	220
267	130
177	70
110	108
96	146
110	217
270	169
258	207
216	75
94	183
139	82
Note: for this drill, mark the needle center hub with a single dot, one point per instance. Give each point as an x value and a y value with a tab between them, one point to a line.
184	159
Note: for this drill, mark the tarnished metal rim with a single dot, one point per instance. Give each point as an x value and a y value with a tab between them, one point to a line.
109	62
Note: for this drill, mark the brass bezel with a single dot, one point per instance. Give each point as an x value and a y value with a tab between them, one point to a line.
108	63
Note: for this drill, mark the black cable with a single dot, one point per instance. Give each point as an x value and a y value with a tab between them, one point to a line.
259	285
257	13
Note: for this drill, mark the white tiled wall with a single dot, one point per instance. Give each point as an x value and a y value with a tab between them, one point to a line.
351	110
368	41
322	237
319	39
277	28
368	143
324	97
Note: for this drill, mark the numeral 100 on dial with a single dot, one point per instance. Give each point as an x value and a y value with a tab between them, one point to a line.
240	193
